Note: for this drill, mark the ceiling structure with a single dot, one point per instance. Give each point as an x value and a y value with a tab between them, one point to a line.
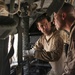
36	7
33	8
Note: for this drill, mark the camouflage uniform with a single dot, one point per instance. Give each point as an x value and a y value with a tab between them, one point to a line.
70	64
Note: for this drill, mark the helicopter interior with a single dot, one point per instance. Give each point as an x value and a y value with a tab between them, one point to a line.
18	32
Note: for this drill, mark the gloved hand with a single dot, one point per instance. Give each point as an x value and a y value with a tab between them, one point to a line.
28	52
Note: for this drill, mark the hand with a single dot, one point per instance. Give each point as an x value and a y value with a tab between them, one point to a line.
25	53
28	52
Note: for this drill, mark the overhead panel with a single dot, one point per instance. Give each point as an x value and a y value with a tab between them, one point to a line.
54	6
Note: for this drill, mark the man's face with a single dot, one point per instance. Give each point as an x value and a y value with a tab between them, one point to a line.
59	21
44	26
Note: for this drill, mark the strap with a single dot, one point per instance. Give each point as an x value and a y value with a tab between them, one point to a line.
11	52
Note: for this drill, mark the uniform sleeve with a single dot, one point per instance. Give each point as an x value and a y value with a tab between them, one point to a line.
54	54
38	45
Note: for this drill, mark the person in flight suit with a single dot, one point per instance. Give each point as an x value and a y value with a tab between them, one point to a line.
65	19
49	47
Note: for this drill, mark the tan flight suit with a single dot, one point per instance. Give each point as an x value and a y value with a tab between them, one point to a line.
50	48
